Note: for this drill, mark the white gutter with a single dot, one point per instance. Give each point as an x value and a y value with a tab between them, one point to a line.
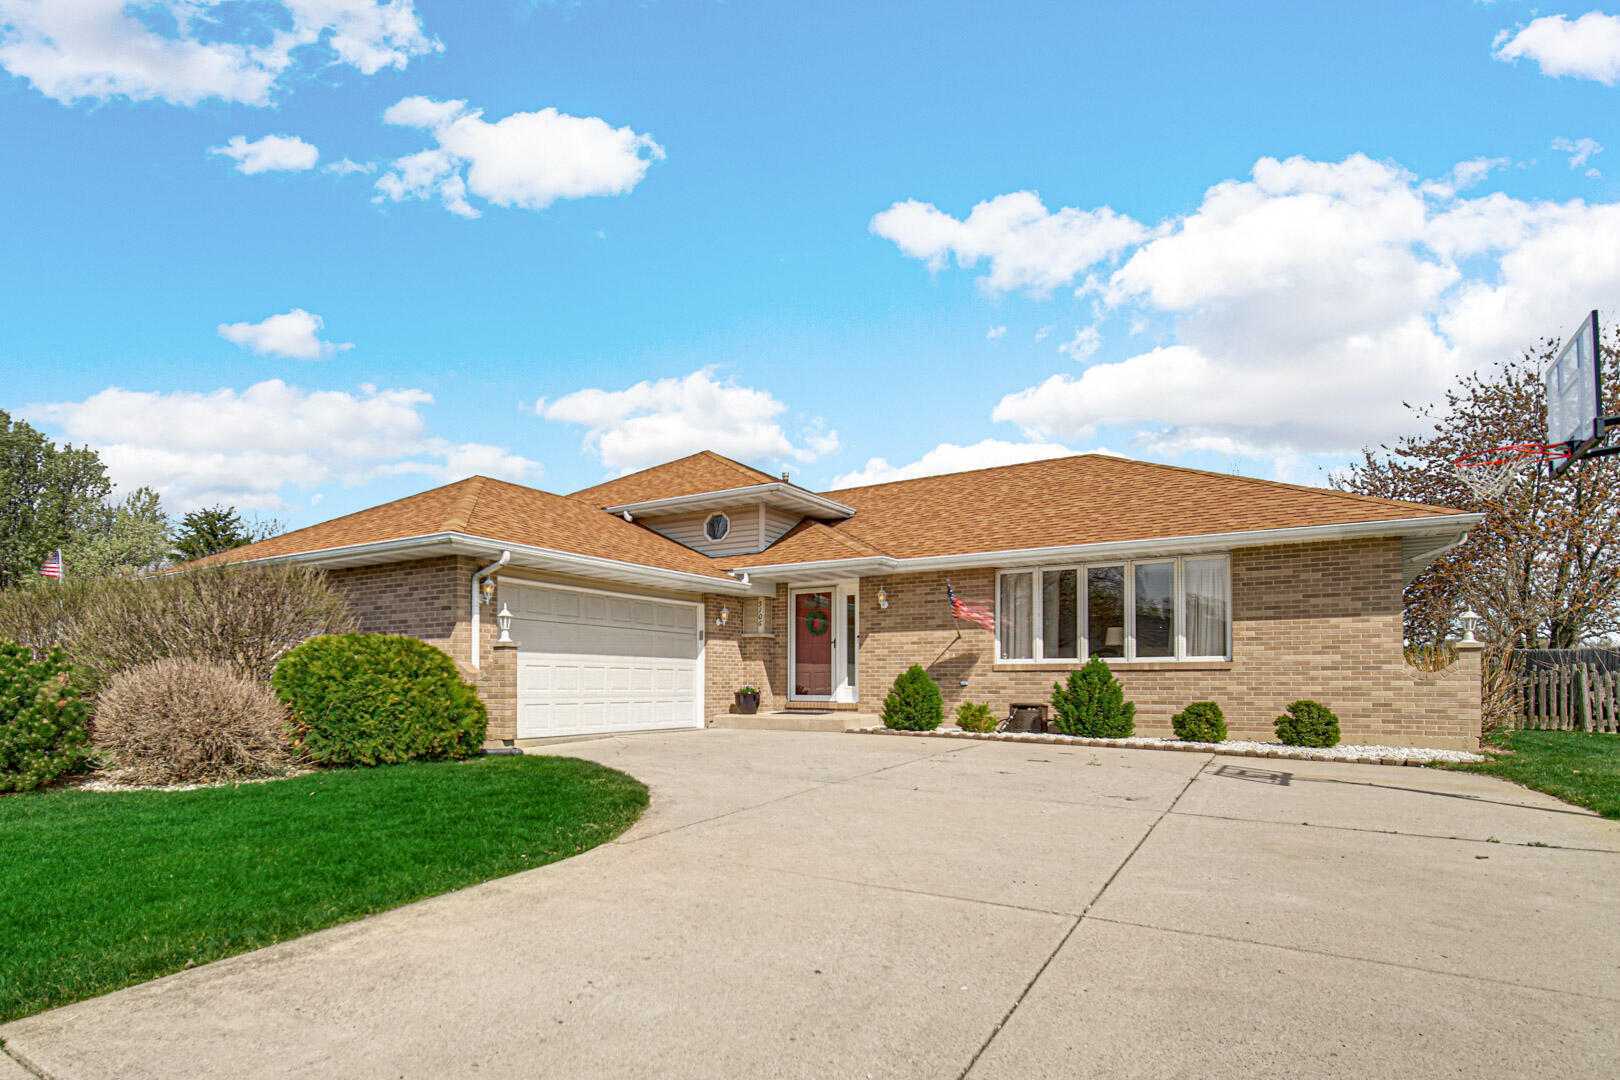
476	578
1448	525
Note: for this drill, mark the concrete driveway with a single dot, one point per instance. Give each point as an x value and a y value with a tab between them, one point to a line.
823	905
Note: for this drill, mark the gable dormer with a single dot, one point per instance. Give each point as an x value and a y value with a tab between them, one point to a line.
732	521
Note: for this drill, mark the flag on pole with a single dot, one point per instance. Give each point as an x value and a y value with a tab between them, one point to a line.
53	564
973	611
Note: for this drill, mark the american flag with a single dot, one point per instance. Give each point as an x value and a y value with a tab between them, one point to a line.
53	564
973	611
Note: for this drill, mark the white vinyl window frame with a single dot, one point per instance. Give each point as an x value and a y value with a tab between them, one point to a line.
1037	621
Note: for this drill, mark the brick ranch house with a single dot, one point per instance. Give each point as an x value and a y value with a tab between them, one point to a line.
647	601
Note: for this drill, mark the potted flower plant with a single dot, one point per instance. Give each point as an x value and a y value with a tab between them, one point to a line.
748	700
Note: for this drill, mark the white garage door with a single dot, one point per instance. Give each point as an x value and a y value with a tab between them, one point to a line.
590	663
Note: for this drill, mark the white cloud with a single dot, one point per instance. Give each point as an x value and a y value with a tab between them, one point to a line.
948	458
1580	151
1463	175
1026	246
1087	340
526	160
187	51
1585	48
246	447
1303	305
995	332
346	167
1043	332
653	422
273	153
294	335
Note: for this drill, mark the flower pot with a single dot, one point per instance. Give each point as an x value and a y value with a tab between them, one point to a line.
747	704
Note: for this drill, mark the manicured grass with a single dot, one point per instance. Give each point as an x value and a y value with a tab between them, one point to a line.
99	890
1579	767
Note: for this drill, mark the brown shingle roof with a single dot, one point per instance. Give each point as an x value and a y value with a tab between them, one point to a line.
808	541
496	510
1089	498
700	472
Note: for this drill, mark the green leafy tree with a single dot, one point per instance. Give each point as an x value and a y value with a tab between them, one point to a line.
218	528
50	496
128	537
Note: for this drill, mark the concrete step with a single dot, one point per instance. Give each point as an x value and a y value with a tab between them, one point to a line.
796	720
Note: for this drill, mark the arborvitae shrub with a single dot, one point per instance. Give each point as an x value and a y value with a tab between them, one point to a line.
1200	722
971	717
43	732
1093	704
179	721
914	702
378	699
1308	723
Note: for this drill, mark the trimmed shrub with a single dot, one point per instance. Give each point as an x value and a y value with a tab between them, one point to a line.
1308	723
971	717
378	699
914	702
181	721
242	617
1200	722
1093	704
43	731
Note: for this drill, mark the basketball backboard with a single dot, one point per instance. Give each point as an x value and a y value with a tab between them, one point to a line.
1574	383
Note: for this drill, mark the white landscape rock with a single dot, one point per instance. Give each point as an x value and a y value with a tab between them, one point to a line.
1373	754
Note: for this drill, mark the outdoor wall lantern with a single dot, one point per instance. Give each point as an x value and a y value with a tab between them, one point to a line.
1469	620
883	598
504	621
724	617
486	589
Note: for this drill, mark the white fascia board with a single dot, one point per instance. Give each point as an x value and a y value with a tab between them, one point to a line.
1450	525
775	493
539	558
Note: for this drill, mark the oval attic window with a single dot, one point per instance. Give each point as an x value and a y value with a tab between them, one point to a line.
717	527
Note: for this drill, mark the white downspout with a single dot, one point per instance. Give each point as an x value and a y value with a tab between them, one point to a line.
490	569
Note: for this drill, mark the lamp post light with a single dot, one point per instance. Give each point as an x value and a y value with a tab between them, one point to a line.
504	621
1469	620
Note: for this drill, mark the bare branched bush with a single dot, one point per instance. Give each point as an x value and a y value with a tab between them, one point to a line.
244	618
178	721
1501	699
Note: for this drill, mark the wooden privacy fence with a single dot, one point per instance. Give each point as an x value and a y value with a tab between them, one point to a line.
1570	689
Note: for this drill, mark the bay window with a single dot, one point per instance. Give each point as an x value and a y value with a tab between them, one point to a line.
1146	609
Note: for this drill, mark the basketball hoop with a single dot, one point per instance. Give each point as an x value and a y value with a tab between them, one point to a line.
1489	473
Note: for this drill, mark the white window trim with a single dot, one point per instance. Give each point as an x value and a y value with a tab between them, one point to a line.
706	521
1037	638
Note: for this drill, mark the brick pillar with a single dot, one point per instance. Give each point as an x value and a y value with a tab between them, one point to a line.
497	686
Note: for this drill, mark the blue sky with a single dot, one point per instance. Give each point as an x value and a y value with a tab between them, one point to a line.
1227	236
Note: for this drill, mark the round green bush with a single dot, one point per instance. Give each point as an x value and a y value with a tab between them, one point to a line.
914	702
43	730
1308	723
971	717
1200	722
378	699
1093	705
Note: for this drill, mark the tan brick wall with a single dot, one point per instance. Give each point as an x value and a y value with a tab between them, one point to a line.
733	660
1318	621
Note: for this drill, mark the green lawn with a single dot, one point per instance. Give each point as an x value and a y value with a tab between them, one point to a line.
1578	767
99	890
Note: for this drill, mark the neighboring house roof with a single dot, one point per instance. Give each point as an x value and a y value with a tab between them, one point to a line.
703	471
494	510
1090	499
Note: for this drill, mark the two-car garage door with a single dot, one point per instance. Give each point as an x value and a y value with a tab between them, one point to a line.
593	663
